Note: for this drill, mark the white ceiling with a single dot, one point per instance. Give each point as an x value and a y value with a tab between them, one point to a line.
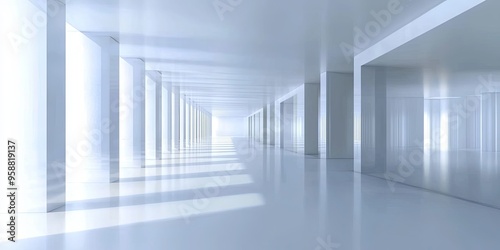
233	66
470	41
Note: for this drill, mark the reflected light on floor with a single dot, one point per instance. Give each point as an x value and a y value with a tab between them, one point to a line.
82	220
81	192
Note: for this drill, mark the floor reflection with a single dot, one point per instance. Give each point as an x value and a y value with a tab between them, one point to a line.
467	174
270	199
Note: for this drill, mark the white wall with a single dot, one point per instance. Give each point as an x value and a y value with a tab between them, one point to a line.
229	126
150	117
83	120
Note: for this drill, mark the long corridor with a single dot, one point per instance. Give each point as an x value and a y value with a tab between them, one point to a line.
249	125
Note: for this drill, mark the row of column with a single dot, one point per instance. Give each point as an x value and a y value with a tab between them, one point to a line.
75	114
316	117
164	120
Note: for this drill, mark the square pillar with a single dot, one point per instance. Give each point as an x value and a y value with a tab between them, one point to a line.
210	126
264	125
311	118
202	125
197	124
371	153
159	116
249	127
139	110
184	122
272	124
255	127
188	123
167	116
490	113
33	101
339	127
109	169
153	78
164	117
177	118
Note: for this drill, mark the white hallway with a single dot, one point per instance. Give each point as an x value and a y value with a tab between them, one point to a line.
233	124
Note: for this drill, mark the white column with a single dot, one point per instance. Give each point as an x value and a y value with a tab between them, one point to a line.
272	124
339	114
188	123
289	120
198	130
210	126
55	108
177	118
33	100
357	118
191	120
254	136
255	130
168	116
373	149
110	102
193	124
139	108
490	112
204	125
153	78
159	116
264	125
249	134
184	122
201	125
165	113
126	114
311	118
197	124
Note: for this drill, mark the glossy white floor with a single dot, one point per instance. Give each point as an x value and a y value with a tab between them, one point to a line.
236	195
